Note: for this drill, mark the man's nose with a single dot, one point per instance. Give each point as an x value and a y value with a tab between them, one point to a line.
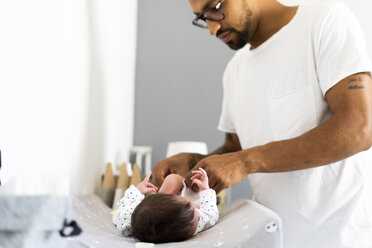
213	27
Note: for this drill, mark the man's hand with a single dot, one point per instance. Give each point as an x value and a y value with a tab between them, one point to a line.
178	164
223	171
200	178
145	187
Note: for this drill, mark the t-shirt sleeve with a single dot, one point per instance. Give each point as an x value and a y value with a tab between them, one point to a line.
208	210
341	49
226	123
126	205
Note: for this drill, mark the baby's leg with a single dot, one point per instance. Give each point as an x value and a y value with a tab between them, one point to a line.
172	184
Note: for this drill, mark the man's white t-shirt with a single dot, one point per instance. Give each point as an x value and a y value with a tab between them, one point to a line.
276	92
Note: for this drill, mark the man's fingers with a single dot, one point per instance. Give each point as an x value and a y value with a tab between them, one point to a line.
157	179
159	175
217	184
213	182
195	187
218	188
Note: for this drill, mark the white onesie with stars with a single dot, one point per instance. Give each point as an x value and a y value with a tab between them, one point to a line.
205	201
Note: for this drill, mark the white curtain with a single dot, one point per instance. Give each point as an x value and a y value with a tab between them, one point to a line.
66	92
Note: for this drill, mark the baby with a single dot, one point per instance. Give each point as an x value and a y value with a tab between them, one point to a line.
174	214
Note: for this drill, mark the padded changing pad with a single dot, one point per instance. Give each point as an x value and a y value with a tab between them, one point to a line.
243	224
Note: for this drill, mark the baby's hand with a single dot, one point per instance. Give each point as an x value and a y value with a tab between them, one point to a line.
145	187
200	178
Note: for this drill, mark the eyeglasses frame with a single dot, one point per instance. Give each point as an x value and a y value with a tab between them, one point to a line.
202	17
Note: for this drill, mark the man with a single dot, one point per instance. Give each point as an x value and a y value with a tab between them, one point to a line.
297	113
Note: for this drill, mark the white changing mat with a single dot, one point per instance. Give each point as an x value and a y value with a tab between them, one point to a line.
243	224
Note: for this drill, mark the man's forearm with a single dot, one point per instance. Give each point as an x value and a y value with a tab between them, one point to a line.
220	150
231	144
334	140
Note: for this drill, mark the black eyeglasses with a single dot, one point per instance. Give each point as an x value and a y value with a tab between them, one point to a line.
213	14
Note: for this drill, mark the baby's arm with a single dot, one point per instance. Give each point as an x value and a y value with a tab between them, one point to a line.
172	184
126	206
208	210
132	197
208	203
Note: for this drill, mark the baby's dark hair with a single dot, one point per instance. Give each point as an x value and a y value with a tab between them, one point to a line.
162	218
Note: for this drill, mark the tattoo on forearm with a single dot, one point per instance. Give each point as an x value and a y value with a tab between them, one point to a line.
355	82
356	87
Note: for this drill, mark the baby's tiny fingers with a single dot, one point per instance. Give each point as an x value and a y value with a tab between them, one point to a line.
197	172
152	188
196	175
197	182
150	185
147	177
203	171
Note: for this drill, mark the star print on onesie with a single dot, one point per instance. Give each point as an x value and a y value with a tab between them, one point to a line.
206	200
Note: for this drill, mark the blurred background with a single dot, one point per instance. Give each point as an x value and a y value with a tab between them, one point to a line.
82	81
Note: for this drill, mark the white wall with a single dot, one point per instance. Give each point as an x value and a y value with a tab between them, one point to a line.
362	9
66	89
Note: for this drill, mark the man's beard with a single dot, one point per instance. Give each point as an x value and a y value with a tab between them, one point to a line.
249	22
240	39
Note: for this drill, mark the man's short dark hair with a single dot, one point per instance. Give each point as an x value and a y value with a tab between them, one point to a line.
162	218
